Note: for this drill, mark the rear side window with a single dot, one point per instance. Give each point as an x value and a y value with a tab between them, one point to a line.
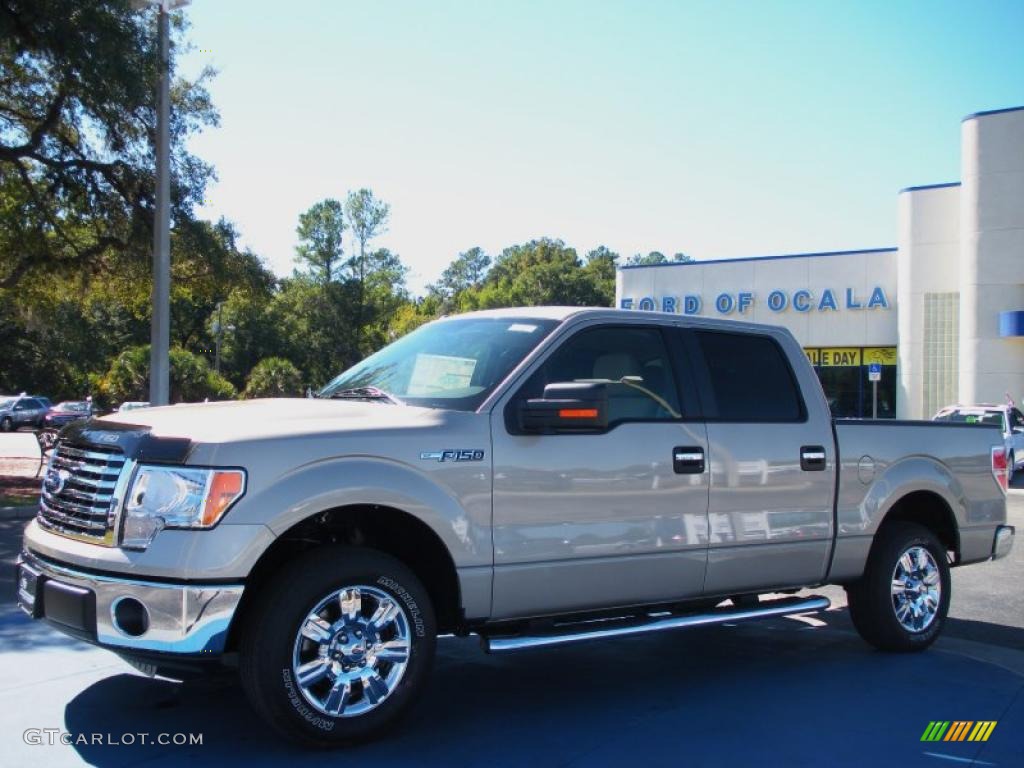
750	378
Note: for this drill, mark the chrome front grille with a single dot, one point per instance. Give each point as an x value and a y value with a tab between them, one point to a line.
79	492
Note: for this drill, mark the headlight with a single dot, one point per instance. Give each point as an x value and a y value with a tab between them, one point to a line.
177	497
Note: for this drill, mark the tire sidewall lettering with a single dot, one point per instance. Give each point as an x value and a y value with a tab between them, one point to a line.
408	600
295	699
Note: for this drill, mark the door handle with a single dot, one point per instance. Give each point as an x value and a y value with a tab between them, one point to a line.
688	459
812	458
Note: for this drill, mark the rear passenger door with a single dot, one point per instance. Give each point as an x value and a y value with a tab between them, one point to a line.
772	463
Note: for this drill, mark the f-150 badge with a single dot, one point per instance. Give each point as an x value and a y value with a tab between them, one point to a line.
454	454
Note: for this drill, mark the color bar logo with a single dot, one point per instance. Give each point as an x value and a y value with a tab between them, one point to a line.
958	730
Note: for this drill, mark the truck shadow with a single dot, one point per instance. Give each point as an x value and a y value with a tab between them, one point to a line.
780	690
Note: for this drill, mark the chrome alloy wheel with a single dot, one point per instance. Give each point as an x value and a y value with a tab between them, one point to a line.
916	589
351	651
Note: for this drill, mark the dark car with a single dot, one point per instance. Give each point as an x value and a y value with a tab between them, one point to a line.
22	411
66	412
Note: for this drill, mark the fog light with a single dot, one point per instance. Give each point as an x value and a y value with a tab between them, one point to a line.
130	616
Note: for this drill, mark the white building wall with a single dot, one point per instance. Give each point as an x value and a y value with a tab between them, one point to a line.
928	262
860	272
991	255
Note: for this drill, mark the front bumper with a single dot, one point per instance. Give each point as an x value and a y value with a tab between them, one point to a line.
1003	541
126	614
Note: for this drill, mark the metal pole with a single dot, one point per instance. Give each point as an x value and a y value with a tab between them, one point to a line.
874	399
160	338
217	331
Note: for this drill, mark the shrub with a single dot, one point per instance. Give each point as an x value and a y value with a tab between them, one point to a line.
274	377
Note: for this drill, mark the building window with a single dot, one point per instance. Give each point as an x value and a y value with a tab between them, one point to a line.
941	350
844	373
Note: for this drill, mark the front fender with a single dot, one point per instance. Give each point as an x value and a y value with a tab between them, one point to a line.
461	520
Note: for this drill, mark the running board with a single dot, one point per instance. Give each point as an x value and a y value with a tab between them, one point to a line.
602	629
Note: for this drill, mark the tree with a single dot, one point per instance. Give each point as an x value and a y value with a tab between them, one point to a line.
467	271
368	218
274	377
654	257
77	119
320	238
191	378
600	269
682	258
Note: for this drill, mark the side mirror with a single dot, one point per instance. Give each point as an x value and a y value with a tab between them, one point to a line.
566	407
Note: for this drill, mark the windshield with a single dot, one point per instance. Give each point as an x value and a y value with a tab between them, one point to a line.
974	417
448	364
74	407
7	402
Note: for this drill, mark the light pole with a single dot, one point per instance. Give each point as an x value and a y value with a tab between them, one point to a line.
160	330
218	333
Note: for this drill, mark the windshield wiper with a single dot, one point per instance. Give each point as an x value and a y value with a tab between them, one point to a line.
364	393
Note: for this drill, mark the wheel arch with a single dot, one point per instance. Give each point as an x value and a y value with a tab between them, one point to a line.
929	509
384	529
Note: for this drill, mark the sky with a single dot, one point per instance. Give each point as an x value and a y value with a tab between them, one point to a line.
714	128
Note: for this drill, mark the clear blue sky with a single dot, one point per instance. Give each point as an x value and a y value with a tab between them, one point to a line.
715	128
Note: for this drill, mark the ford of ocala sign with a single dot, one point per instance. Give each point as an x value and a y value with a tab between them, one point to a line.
803	300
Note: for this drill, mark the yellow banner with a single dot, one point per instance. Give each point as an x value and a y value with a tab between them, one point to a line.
833	356
880	355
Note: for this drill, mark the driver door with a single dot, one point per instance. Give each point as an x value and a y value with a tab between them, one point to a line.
595	520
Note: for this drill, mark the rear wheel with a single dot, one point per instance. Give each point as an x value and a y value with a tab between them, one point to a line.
339	647
901	601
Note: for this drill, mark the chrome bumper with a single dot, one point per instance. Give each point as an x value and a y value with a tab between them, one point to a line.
1003	542
174	618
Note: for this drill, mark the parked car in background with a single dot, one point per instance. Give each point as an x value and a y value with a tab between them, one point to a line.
1007	417
132	405
66	412
22	411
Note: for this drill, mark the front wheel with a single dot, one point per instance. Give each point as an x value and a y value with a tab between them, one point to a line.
901	601
339	647
6	425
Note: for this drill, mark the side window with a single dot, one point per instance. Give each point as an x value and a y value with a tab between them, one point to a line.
750	378
613	353
1017	418
23	405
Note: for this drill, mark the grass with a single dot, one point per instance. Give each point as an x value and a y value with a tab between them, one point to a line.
17	490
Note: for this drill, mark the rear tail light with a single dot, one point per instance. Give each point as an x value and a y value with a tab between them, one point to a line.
1000	469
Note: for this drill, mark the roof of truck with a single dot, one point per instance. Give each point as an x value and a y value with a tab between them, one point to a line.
541	313
559	314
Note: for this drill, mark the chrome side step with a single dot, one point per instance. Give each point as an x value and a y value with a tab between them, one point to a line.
602	629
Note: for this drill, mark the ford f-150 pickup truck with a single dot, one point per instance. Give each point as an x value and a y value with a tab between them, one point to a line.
536	476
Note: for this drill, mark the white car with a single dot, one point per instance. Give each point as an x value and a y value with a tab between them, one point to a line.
1008	417
132	405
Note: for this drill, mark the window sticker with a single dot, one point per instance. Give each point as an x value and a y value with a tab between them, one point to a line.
522	328
437	374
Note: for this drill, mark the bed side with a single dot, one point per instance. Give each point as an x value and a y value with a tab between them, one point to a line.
937	474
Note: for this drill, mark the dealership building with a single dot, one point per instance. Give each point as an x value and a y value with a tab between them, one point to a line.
937	319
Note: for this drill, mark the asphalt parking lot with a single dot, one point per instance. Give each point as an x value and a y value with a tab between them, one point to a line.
794	691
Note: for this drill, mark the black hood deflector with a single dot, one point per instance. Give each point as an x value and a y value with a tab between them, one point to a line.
134	440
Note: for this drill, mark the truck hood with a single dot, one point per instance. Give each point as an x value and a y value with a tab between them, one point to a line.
232	421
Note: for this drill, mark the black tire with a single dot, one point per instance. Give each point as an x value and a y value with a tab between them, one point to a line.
269	636
871	602
1009	468
6	425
